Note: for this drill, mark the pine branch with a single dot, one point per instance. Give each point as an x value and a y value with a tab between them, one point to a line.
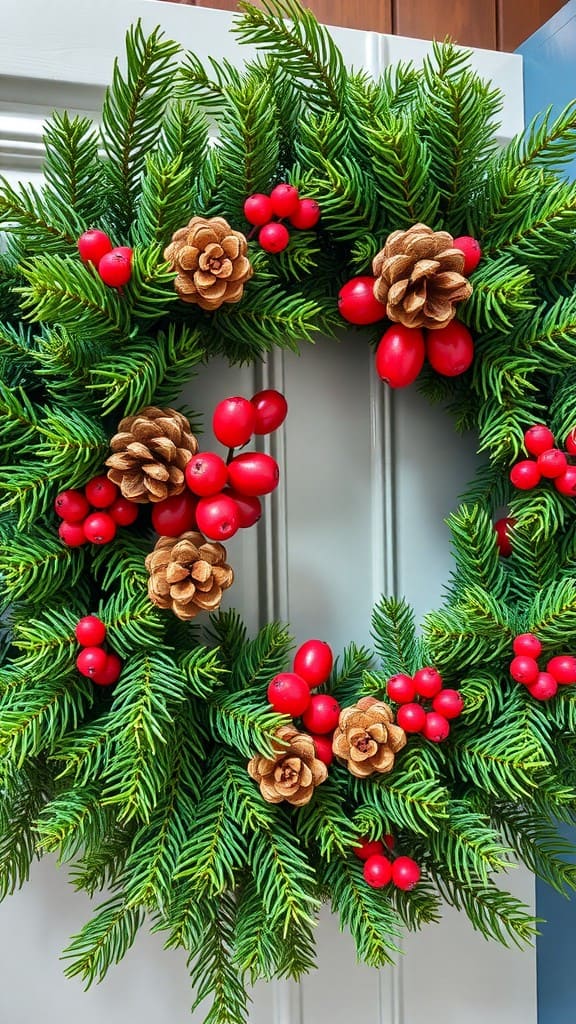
368	914
103	941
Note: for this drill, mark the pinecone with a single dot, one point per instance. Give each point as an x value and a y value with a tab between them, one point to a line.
293	774
419	277
151	451
211	262
188	574
367	739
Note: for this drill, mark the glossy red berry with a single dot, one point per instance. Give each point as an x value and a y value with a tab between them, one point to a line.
218	517
101	492
563	668
377	871
313	661
357	303
249	507
123	512
472	252
544	688
71	505
323	748
428	681
110	673
115	267
91	660
233	421
274	237
524	669
436	727
72	534
206	474
566	482
93	245
528	644
368	848
175	515
253	473
525	475
401	688
538	439
552	463
258	209
322	714
99	528
389	841
411	717
400	355
570	442
448	703
271	410
450	350
504	528
306	215
285	200
90	631
289	694
405	873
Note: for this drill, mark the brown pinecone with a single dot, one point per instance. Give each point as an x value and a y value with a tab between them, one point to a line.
151	451
367	739
419	277
211	262
293	774
188	574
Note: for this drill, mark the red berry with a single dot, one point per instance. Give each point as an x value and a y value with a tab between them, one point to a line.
570	442
472	252
175	515
524	669
428	681
124	512
377	871
274	237
206	474
101	492
322	714
72	534
115	267
323	748
400	355
313	661
253	473
527	643
450	350
389	841
233	421
249	507
411	717
566	483
503	528
99	528
271	410
405	873
91	660
563	668
306	215
357	303
448	703
285	200
525	475
71	505
90	631
258	209
110	673
552	463
218	517
538	439
93	245
401	688
436	727
544	688
368	848
289	694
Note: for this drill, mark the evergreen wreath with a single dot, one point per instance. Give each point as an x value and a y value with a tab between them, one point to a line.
142	786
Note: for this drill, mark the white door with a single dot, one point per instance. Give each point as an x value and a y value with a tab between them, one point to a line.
379	471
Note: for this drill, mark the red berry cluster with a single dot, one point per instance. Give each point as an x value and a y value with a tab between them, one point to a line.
113	263
380	870
94	513
289	693
102	667
224	496
283	202
412	716
524	668
550	462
